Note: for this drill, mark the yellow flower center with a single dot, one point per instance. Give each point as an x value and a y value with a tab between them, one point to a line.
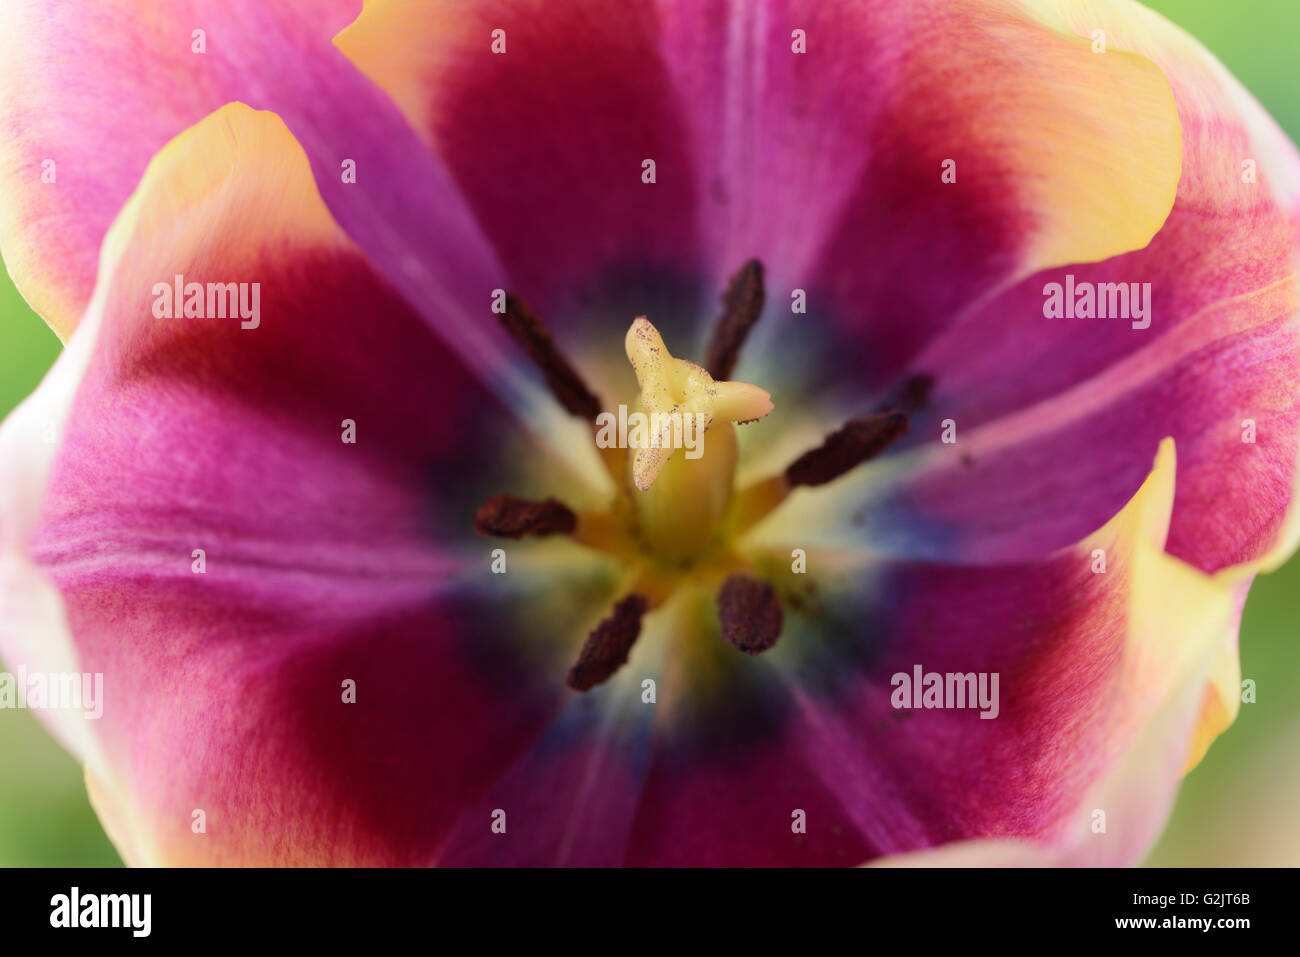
673	460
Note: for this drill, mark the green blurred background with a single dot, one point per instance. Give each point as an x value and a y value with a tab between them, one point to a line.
1238	807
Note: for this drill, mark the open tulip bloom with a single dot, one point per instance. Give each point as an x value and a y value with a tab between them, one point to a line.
662	432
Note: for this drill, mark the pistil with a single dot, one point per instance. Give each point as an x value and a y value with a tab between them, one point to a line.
681	501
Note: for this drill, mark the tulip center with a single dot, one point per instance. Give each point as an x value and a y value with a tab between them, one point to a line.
677	515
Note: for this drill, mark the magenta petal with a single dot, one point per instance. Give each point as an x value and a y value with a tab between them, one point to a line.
228	558
830	164
570	799
1102	650
872	779
1056	418
546	144
1028	483
741	810
238	709
96	89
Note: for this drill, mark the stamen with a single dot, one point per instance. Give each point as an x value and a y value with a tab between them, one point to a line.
607	647
750	613
912	393
565	383
742	304
854	443
505	516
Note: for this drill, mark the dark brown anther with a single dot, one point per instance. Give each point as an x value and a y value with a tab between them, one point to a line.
912	393
504	516
565	383
750	613
741	305
606	648
854	443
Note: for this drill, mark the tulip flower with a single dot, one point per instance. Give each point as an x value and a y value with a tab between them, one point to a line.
318	484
